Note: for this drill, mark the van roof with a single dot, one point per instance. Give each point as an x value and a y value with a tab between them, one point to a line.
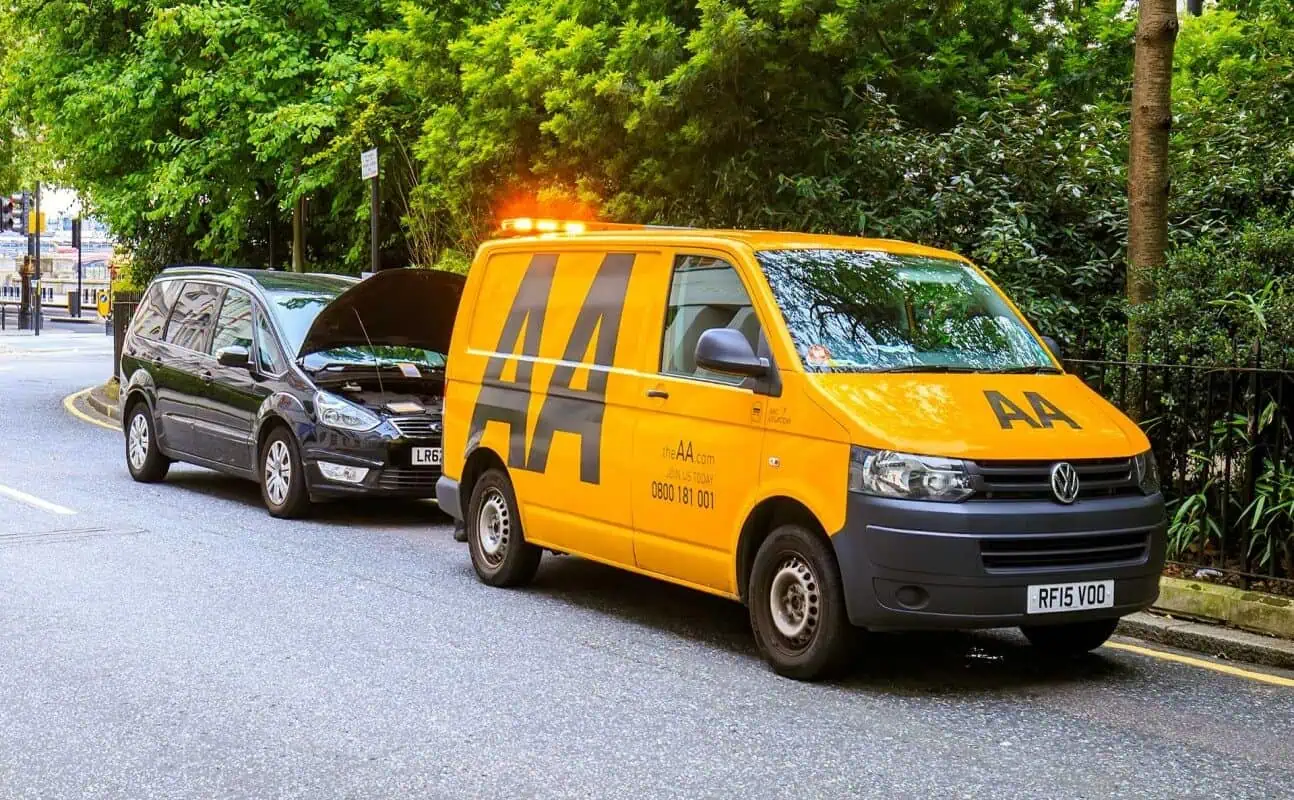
755	239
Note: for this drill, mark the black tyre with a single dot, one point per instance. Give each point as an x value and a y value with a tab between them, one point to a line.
1071	639
143	457
283	476
797	605
500	553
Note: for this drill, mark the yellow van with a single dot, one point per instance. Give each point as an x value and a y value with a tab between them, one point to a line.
838	432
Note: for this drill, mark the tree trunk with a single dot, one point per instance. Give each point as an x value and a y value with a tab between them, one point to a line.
1152	120
299	235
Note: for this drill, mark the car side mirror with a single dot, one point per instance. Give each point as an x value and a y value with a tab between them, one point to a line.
728	351
235	356
1054	347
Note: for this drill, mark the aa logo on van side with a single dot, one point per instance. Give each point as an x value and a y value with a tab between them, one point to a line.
577	411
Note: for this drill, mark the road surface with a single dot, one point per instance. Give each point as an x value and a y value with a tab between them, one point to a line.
175	641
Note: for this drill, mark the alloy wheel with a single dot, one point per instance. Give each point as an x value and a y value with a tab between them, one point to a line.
278	472
137	441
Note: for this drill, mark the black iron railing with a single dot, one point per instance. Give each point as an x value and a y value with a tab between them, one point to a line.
1222	439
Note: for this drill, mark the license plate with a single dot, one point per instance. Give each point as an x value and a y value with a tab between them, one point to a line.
426	456
1050	598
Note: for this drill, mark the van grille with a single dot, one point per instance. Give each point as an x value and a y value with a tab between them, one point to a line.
1031	480
417	427
1023	553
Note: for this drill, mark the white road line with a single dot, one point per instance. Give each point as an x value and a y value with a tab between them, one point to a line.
35	502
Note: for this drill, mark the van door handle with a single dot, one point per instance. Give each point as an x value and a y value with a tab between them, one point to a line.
661	393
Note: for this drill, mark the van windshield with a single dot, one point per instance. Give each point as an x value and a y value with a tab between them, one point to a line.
871	311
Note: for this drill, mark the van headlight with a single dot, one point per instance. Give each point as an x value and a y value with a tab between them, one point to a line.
885	473
335	412
1147	469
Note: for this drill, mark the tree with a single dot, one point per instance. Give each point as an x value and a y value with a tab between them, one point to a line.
1152	122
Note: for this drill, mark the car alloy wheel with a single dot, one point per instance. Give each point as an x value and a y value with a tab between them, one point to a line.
137	441
278	472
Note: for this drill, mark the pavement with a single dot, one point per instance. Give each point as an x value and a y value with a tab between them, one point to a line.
173	640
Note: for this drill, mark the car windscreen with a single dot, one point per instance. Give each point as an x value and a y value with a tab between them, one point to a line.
872	311
371	356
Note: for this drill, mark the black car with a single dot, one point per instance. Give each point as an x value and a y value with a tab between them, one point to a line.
316	386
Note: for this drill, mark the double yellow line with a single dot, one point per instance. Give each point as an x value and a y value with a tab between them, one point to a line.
69	403
1225	669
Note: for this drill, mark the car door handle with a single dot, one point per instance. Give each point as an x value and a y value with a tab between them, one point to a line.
661	393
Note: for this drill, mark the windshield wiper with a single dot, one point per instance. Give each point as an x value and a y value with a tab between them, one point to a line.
928	368
1032	369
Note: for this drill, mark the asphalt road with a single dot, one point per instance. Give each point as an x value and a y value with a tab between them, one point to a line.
175	641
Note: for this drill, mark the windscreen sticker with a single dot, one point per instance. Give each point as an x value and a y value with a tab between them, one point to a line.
1046	412
409	370
818	356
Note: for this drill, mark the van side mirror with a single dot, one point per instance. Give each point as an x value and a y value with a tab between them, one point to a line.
727	350
234	356
1054	347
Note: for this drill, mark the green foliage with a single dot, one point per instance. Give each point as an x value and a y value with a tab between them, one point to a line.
1218	296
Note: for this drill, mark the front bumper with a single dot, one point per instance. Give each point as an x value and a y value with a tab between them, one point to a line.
920	565
386	454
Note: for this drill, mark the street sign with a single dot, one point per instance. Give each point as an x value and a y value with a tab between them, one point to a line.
102	303
368	164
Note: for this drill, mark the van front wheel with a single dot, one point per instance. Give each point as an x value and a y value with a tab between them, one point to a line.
797	605
501	555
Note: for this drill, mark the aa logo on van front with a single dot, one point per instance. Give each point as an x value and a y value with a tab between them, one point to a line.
577	411
1045	413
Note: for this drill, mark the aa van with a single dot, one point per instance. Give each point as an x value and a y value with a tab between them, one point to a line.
838	432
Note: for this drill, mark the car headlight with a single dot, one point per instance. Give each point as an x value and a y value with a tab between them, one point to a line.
885	473
1147	472
335	412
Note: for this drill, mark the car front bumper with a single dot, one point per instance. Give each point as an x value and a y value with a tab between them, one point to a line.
388	458
921	565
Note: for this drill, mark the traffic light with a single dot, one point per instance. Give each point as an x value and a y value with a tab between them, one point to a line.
6	214
76	232
19	212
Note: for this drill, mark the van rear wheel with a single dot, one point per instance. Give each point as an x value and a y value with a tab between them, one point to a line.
501	555
797	605
1070	639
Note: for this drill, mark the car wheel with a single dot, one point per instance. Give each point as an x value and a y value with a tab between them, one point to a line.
797	605
283	478
1070	639
143	457
500	553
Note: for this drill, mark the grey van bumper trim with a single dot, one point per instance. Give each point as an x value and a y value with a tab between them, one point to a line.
940	549
447	497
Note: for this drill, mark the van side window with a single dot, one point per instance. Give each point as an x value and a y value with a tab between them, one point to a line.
194	314
150	317
235	324
268	357
704	293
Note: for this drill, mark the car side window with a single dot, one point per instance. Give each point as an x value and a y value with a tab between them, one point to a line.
193	317
269	359
150	317
234	326
704	293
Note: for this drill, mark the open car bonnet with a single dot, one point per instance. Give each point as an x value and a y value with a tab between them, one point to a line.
398	307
